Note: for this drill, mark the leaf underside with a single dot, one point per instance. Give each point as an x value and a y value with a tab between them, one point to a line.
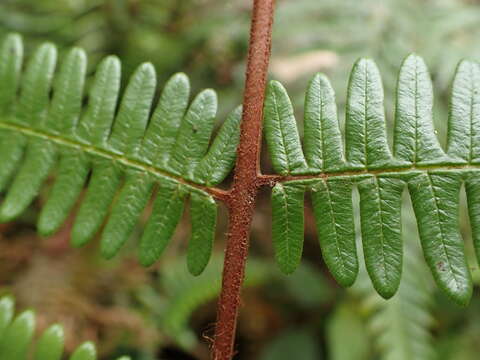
328	170
17	337
122	147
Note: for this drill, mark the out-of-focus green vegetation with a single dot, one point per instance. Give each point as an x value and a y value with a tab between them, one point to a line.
164	313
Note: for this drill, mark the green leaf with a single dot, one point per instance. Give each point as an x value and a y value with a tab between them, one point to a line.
365	133
114	146
72	175
39	161
50	344
281	132
63	118
166	214
434	177
36	86
95	125
31	110
463	142
165	123
101	190
472	188
323	143
380	211
131	121
203	213
287	225
194	134
67	99
130	203
219	160
435	198
12	147
11	58
332	206
414	137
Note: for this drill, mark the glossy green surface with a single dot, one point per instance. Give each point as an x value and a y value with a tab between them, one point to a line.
380	213
332	207
322	138
166	214
220	159
281	132
11	56
120	146
418	163
287	222
203	214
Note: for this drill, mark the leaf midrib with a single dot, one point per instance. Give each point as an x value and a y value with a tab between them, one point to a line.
158	172
101	152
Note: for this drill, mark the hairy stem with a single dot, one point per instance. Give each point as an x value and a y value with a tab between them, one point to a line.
246	179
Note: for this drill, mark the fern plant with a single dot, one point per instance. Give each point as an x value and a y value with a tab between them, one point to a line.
123	152
17	333
433	176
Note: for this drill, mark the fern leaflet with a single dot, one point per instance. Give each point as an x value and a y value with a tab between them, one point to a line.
124	150
416	160
126	147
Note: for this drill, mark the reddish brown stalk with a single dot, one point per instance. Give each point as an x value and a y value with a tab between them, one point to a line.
245	183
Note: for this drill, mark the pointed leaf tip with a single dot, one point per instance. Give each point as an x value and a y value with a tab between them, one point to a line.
287	225
281	132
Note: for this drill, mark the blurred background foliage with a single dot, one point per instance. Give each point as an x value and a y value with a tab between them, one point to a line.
165	313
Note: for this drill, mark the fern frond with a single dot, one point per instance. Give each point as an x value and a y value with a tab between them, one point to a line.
433	176
128	147
17	333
